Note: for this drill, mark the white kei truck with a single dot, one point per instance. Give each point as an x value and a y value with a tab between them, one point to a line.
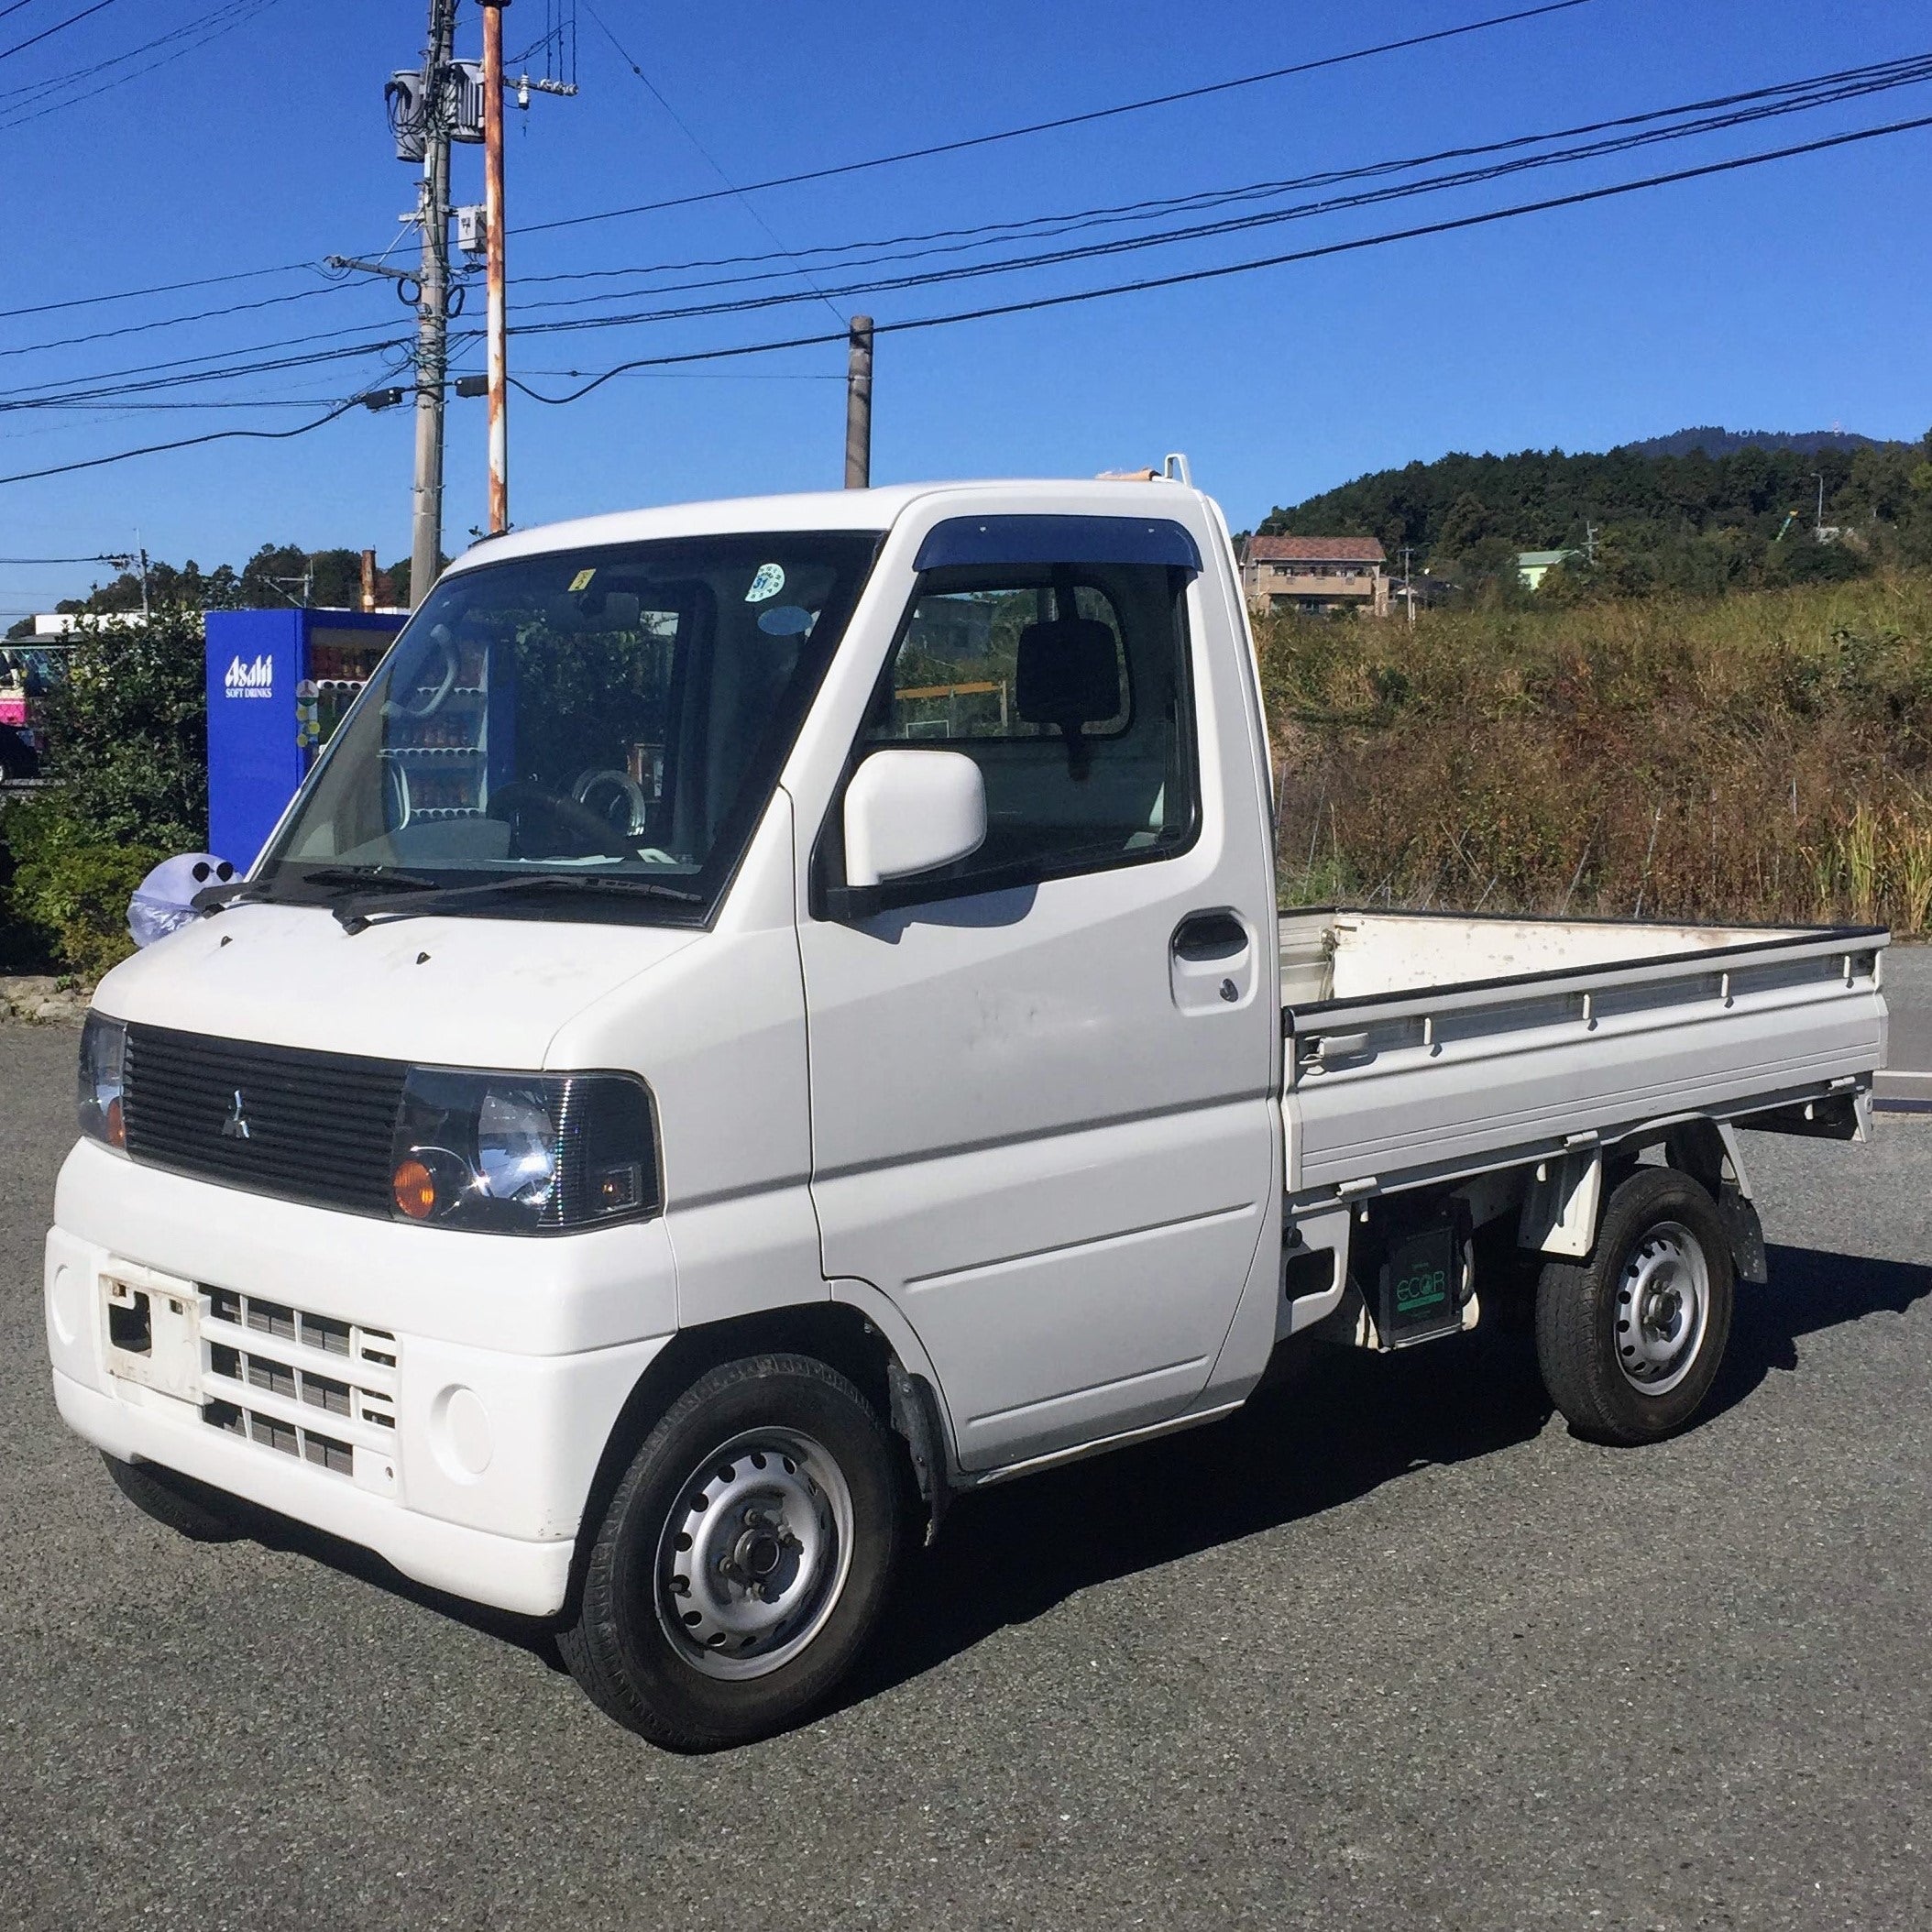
767	1015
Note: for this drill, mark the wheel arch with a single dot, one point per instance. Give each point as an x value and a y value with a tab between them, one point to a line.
836	1332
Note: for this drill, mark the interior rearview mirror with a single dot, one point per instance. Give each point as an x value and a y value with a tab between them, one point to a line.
909	812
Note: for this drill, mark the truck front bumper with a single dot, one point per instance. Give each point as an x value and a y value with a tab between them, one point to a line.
442	1400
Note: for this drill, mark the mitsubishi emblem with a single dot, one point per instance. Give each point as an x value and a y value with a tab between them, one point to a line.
235	1128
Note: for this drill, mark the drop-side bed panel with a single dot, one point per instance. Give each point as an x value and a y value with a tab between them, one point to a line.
1449	1076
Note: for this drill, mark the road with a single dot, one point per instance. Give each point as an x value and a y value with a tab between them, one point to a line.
1391	1648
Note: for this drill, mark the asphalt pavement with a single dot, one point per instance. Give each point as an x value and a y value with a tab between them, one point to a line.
1391	1649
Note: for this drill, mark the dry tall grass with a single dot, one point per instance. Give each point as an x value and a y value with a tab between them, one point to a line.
1760	757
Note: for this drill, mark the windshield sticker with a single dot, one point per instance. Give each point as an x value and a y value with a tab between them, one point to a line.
786	621
768	582
581	581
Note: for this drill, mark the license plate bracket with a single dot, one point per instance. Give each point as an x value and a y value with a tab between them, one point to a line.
152	1326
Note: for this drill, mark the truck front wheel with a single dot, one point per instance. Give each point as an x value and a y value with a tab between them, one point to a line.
1630	1340
743	1559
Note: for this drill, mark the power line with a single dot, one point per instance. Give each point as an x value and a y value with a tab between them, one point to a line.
159	288
1783	97
1168	237
1817	90
172	321
180	370
1486	217
156	449
737	193
1222	270
46	33
825	173
57	96
1578	197
1071	120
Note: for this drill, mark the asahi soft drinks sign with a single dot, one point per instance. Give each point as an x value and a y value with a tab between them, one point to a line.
251	677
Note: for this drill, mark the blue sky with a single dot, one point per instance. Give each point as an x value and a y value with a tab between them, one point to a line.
1789	296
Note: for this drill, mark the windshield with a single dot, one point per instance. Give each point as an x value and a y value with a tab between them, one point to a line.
618	713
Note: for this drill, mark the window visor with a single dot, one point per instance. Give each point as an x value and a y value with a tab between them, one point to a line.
1057	540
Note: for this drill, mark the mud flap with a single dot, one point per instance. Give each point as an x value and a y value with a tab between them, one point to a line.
1747	1235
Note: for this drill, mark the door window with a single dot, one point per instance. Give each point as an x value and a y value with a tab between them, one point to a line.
1067	686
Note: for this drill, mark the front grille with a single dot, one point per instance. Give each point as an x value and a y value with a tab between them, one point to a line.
330	1388
318	1125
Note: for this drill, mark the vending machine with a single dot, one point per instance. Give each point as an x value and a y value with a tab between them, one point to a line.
279	681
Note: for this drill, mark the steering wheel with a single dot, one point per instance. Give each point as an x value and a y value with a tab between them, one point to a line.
625	786
579	829
439	682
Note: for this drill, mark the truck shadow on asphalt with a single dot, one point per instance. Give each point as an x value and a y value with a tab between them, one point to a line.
1341	1425
1344	1425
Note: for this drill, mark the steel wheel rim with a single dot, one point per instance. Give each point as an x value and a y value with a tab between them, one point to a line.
1662	1308
754	1554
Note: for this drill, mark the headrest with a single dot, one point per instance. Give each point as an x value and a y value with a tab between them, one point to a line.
1068	672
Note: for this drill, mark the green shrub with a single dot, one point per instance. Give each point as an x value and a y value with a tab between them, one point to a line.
67	901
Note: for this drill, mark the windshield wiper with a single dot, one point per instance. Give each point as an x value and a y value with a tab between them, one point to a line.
353	914
210	899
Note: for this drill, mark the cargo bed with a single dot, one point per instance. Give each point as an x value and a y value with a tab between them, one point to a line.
1421	1046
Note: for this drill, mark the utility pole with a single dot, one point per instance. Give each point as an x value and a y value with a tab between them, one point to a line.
493	221
432	307
1818	525
858	404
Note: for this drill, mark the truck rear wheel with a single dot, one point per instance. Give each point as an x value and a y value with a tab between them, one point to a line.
743	1559
1630	1340
176	1502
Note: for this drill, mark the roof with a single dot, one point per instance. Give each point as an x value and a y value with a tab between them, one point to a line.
1542	559
872	509
1315	550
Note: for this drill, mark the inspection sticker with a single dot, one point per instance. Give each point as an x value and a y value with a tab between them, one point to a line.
768	582
581	581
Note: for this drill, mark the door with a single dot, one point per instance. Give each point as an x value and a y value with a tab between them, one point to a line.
1041	1078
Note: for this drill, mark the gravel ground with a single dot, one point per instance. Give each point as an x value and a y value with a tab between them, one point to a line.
1391	1648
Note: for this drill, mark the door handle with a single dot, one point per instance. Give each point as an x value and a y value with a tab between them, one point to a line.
1330	1046
1205	939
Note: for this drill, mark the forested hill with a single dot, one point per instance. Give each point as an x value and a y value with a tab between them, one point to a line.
1715	442
1697	520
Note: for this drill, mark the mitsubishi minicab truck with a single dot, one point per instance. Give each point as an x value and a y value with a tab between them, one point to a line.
767	1015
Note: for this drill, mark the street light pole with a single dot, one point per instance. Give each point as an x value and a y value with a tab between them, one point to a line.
498	327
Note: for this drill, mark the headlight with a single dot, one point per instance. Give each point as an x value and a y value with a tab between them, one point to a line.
103	1059
522	1153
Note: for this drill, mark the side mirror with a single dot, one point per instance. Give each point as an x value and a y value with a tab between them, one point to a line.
909	812
164	900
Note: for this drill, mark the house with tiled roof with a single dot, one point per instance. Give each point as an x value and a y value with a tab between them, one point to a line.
1317	575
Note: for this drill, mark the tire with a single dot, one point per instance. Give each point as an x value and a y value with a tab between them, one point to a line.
176	1502
1630	1340
744	1558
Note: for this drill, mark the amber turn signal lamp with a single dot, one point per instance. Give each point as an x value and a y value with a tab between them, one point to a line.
414	1188
116	1123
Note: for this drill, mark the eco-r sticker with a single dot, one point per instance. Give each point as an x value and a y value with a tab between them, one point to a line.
768	582
581	581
